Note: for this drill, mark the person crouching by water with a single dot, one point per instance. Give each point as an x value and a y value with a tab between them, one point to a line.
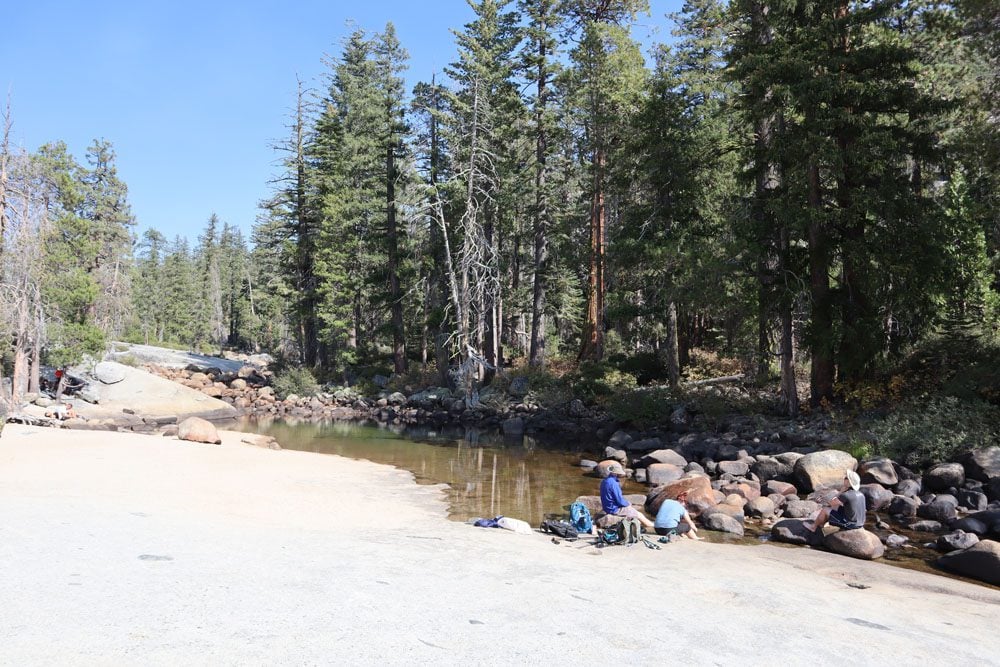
673	518
612	501
848	509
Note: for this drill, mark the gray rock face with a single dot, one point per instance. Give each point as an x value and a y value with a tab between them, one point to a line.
667	456
793	531
800	509
784	488
722	523
771	468
983	464
896	541
826	468
980	561
396	398
926	526
619	439
616	454
109	372
909	487
944	476
938	510
662	473
956	540
647	445
876	496
761	508
904	506
89	394
878	471
974	501
735	468
858	543
991	520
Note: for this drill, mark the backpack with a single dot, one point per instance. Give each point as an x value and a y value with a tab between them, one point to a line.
579	516
628	532
559	528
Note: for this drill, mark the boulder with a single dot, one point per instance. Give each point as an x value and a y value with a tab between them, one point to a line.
800	509
858	543
904	506
196	429
878	471
662	473
896	541
909	487
971	525
772	469
43	402
991	520
699	490
983	464
587	464
783	488
577	408
956	540
608	520
826	468
396	398
794	531
380	381
940	510
89	394
926	526
876	496
789	458
974	501
943	476
615	454
732	509
760	508
744	490
722	523
666	456
109	372
259	440
980	561
639	475
646	445
735	468
619	439
609	467
239	384
592	503
778	499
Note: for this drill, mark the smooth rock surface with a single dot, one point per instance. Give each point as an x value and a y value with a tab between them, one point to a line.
980	561
826	468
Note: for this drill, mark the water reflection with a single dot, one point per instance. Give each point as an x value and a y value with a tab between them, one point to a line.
488	474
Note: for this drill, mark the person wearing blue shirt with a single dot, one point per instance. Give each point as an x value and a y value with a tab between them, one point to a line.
614	503
673	517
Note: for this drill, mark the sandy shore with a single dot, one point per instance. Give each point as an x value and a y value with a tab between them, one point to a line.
129	549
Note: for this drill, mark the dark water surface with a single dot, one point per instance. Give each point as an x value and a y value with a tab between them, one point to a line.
487	474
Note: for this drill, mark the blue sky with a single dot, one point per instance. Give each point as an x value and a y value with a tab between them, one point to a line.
194	94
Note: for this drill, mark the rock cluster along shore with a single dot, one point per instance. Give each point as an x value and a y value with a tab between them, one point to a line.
249	390
732	484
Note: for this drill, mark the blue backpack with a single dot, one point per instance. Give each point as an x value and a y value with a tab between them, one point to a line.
579	516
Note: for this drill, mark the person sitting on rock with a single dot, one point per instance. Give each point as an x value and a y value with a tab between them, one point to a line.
62	412
613	503
673	518
848	509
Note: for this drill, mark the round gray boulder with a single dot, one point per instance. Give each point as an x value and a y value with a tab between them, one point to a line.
944	476
826	468
858	543
980	561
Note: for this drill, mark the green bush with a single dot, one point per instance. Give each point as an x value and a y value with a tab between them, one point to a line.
924	431
600	380
642	407
297	381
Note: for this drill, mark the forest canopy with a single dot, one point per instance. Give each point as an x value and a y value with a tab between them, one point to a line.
809	189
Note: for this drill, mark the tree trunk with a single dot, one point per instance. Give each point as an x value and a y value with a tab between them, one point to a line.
593	331
536	354
672	350
822	370
398	334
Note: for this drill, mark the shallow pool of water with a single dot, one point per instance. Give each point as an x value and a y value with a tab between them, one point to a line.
488	475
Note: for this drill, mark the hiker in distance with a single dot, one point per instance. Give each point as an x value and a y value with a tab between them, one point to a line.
673	517
847	511
612	501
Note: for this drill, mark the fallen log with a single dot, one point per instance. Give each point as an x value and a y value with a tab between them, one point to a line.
718	380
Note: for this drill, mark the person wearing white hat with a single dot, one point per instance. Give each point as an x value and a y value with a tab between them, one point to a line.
847	511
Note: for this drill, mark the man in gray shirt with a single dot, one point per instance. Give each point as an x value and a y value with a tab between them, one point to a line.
848	509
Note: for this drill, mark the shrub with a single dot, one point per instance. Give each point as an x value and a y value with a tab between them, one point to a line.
298	381
600	380
924	431
642	407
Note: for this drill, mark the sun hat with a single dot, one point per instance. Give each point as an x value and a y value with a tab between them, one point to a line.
853	479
